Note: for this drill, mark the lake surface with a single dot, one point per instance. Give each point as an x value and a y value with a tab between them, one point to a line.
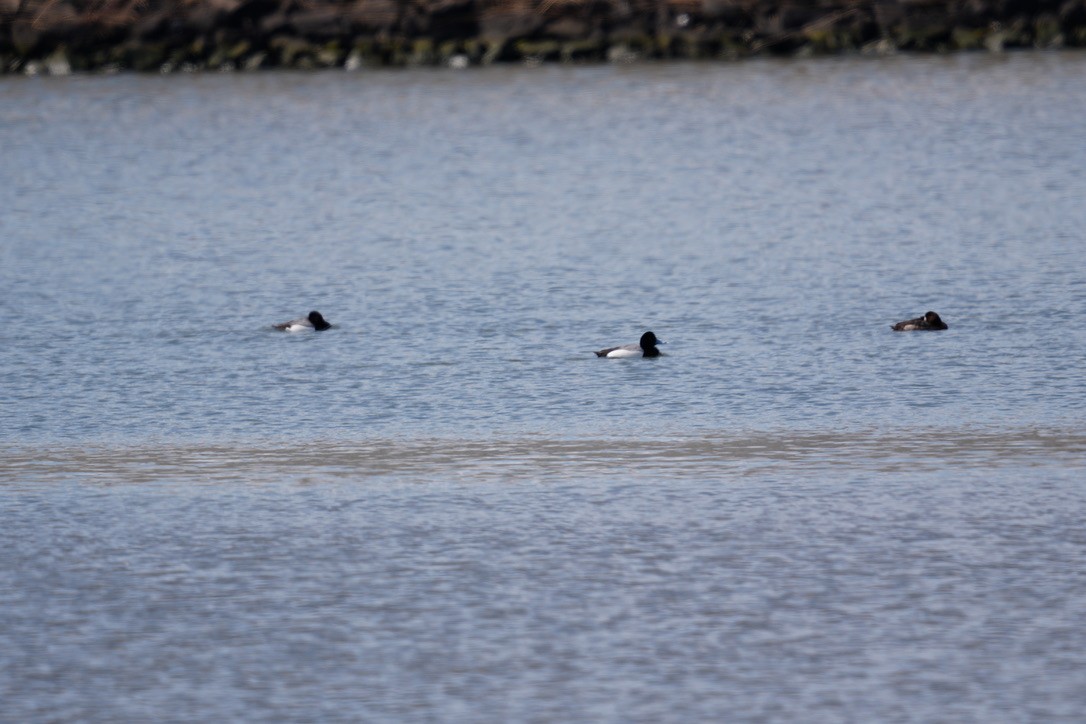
446	508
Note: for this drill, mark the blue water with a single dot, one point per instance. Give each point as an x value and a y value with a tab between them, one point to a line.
446	507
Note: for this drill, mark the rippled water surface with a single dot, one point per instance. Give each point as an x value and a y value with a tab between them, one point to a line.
446	508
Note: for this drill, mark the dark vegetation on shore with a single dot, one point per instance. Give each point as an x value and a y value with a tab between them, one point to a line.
60	36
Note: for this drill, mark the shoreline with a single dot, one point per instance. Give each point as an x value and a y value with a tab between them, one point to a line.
54	37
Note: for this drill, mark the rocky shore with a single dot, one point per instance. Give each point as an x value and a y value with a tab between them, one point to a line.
62	36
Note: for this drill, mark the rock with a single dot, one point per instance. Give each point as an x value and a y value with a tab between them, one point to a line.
882	46
1073	14
366	52
237	50
274	23
509	22
888	15
622	54
923	26
153	25
373	16
57	63
493	51
330	55
422	52
156	35
447	19
320	24
248	15
974	14
1018	33
567	29
791	18
1047	32
446	50
538	50
969	38
144	56
24	37
730	12
575	50
291	50
203	17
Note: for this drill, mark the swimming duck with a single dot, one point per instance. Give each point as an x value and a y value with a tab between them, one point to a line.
645	348
929	321
314	322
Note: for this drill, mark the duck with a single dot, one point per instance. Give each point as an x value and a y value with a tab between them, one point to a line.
313	321
645	348
930	321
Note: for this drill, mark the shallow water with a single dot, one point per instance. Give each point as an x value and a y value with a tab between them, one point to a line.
446	507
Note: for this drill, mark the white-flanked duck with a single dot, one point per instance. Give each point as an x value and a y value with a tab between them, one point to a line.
313	322
645	348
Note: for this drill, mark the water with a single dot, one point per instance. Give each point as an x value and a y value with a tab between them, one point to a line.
446	508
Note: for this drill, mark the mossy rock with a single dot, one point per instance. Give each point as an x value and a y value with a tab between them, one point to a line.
447	50
1018	34
56	62
819	37
254	61
623	53
882	46
493	51
643	45
330	55
538	49
148	57
968	38
687	47
238	50
291	51
929	37
113	54
365	47
1047	32
474	49
365	54
229	55
82	61
831	40
177	57
394	52
575	50
731	46
422	52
